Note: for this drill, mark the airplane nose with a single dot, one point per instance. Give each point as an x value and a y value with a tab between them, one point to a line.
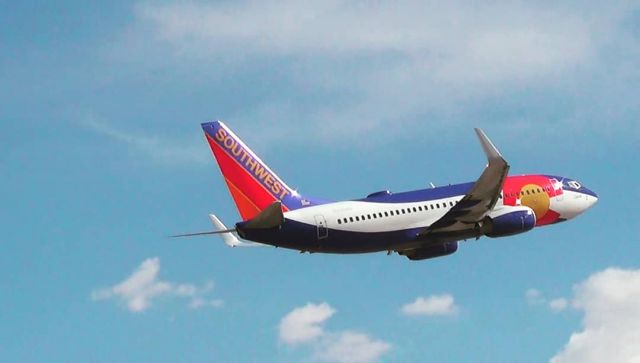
590	201
590	198
575	203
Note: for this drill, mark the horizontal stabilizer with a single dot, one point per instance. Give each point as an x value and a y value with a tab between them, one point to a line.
203	233
229	237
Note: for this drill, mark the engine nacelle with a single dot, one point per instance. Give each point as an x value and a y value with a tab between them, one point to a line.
508	220
431	251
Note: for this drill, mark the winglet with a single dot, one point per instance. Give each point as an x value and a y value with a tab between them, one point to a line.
229	238
488	147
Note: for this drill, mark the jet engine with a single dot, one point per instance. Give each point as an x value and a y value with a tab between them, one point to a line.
436	250
508	220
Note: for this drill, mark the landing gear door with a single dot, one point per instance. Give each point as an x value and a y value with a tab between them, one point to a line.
557	189
321	224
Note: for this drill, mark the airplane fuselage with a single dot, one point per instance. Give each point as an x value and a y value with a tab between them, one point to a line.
387	221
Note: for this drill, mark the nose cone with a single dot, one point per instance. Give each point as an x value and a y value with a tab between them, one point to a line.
574	203
585	200
590	200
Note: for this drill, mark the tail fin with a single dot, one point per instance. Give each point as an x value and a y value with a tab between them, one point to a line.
252	184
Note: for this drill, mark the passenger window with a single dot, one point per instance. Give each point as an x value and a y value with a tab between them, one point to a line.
339	221
368	216
357	219
420	208
351	219
437	205
386	214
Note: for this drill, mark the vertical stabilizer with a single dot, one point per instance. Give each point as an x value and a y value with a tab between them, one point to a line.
252	184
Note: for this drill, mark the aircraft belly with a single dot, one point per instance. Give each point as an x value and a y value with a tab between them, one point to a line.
304	237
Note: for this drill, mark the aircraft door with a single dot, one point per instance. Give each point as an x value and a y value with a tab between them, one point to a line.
321	224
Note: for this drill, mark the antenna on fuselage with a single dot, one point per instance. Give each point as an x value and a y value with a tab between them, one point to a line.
432	185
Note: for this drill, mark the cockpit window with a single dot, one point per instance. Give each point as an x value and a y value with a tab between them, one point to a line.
574	184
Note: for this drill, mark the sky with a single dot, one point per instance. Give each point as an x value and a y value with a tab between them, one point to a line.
102	157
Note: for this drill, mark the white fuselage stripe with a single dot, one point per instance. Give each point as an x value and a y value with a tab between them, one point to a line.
426	213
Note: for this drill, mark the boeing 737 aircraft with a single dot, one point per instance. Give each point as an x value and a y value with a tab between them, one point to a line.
418	224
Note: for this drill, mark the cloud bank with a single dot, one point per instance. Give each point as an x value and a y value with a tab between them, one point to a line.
140	289
356	65
611	324
305	325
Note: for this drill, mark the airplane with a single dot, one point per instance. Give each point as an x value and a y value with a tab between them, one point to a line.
419	224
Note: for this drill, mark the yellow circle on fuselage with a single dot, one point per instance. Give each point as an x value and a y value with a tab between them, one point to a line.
536	200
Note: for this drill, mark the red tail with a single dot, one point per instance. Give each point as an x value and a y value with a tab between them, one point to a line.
251	183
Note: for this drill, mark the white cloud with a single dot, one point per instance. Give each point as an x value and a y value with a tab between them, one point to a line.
351	347
420	64
432	305
161	150
558	304
359	66
611	324
143	286
305	325
455	41
535	297
199	302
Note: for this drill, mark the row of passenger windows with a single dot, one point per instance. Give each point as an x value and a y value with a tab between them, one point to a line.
391	213
429	206
528	192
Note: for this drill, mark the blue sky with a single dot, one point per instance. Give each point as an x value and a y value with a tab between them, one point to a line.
102	157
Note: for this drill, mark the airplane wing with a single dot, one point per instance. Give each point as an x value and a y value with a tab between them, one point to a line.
480	200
